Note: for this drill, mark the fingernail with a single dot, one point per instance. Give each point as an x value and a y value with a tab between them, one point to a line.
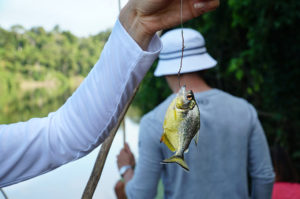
199	5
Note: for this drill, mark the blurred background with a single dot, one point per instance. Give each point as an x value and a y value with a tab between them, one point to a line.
48	47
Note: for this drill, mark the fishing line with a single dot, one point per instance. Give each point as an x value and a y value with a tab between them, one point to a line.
182	44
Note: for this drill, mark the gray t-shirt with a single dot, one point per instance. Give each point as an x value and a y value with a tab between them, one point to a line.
231	145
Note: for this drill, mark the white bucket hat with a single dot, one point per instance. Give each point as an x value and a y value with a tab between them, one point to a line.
195	57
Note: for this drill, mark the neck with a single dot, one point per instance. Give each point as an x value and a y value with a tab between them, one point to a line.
192	81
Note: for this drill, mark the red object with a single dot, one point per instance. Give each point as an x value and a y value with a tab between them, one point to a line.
286	190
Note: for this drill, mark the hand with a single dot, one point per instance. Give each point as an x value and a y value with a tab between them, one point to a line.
125	157
142	18
120	190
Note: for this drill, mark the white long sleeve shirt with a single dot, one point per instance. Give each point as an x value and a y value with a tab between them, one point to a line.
29	149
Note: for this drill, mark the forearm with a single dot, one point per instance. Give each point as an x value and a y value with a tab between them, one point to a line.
31	148
261	189
128	175
260	164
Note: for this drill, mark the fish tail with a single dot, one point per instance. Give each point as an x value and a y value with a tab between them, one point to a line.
177	159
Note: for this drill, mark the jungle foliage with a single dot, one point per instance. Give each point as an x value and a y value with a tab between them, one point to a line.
39	69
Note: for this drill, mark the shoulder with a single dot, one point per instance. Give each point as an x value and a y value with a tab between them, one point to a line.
229	98
236	102
221	103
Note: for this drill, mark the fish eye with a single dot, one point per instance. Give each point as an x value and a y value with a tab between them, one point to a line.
189	96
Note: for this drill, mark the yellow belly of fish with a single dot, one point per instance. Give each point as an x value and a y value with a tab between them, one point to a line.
171	125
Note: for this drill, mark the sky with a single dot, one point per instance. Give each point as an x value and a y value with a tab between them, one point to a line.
81	17
69	181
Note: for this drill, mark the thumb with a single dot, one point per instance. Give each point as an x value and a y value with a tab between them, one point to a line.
126	147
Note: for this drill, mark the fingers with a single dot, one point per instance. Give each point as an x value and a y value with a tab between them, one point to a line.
202	6
125	151
125	157
195	8
126	147
211	5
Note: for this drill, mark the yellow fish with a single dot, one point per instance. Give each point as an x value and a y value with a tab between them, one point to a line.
181	125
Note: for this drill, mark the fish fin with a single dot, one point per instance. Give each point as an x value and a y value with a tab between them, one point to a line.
196	138
177	159
162	138
187	150
167	142
175	115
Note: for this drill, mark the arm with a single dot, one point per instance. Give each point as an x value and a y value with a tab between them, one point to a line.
148	168
124	159
39	145
260	165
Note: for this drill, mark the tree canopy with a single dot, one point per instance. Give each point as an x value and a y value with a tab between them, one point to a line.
36	59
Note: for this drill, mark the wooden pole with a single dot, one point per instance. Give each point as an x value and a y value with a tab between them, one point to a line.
123	123
101	158
3	193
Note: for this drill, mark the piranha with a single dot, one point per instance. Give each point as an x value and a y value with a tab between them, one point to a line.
181	125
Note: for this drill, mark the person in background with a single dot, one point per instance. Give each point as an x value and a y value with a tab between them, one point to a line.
231	145
32	148
287	180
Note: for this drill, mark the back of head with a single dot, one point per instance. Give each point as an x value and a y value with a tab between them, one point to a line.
195	56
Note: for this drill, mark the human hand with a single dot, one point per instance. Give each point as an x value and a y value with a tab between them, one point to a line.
120	190
143	18
125	157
